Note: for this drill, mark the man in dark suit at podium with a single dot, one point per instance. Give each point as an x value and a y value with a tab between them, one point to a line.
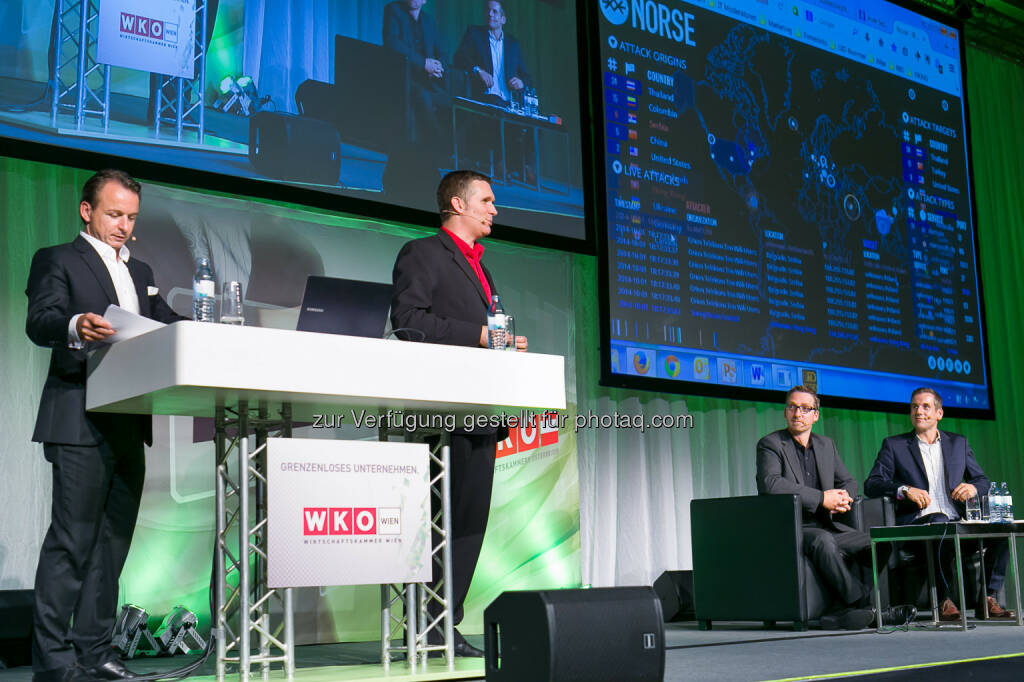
98	462
931	474
441	292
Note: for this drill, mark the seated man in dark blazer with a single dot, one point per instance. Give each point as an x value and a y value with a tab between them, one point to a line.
442	291
410	31
931	474
98	462
493	58
494	64
795	461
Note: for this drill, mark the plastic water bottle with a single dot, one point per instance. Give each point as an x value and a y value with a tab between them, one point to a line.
995	504
534	106
496	326
203	292
1004	492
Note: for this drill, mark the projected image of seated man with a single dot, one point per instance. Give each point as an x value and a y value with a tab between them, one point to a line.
931	474
497	75
493	57
411	31
795	461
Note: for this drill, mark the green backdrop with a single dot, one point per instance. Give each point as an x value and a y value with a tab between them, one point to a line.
36	206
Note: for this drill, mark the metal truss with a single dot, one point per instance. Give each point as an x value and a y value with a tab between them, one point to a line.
81	85
243	599
242	596
181	101
408	633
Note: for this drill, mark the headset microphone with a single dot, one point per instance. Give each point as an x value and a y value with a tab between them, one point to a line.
467	215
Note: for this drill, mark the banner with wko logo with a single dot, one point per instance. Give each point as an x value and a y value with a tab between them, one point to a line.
343	512
155	36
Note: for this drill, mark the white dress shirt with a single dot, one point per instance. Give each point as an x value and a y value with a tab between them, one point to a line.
935	469
498	64
124	286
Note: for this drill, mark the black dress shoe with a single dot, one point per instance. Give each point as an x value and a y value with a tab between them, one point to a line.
461	646
111	670
899	615
467	650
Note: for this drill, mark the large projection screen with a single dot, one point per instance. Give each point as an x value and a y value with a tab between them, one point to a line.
787	197
352	105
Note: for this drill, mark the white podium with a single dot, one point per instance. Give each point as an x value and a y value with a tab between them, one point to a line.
243	377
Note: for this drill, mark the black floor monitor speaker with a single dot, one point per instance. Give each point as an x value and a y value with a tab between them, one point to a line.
612	634
15	628
675	589
294	148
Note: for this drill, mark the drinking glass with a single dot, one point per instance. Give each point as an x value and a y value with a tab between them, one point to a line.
973	509
231	309
510	333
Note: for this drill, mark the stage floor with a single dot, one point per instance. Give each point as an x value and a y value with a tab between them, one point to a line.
731	652
745	652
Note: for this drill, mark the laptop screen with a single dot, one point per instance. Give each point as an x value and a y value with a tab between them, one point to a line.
344	306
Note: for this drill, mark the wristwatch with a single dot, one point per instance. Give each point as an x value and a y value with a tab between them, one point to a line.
476	70
901	492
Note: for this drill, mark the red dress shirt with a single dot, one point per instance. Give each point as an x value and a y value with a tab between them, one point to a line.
473	254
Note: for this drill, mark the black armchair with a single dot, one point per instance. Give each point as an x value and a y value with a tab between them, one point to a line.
369	100
749	562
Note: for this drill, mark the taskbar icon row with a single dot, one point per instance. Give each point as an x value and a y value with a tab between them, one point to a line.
709	368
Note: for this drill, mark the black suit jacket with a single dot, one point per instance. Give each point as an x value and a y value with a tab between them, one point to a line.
64	281
437	292
475	50
899	463
780	472
398	35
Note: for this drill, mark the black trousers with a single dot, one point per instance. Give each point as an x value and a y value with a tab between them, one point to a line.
471	475
96	493
839	554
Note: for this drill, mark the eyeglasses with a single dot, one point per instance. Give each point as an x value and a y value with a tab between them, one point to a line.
802	409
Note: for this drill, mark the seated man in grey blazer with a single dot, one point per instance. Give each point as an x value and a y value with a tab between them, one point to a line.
795	461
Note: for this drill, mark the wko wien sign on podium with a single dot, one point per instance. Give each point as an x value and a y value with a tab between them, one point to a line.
347	512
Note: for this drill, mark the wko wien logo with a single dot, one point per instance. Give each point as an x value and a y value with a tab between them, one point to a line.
146	27
529	434
351	521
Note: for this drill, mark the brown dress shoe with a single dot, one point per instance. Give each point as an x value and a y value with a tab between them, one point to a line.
995	611
948	610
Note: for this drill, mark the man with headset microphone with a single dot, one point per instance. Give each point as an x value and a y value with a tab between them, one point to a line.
441	294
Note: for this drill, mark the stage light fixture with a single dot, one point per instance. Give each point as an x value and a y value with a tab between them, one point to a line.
130	628
237	96
177	633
